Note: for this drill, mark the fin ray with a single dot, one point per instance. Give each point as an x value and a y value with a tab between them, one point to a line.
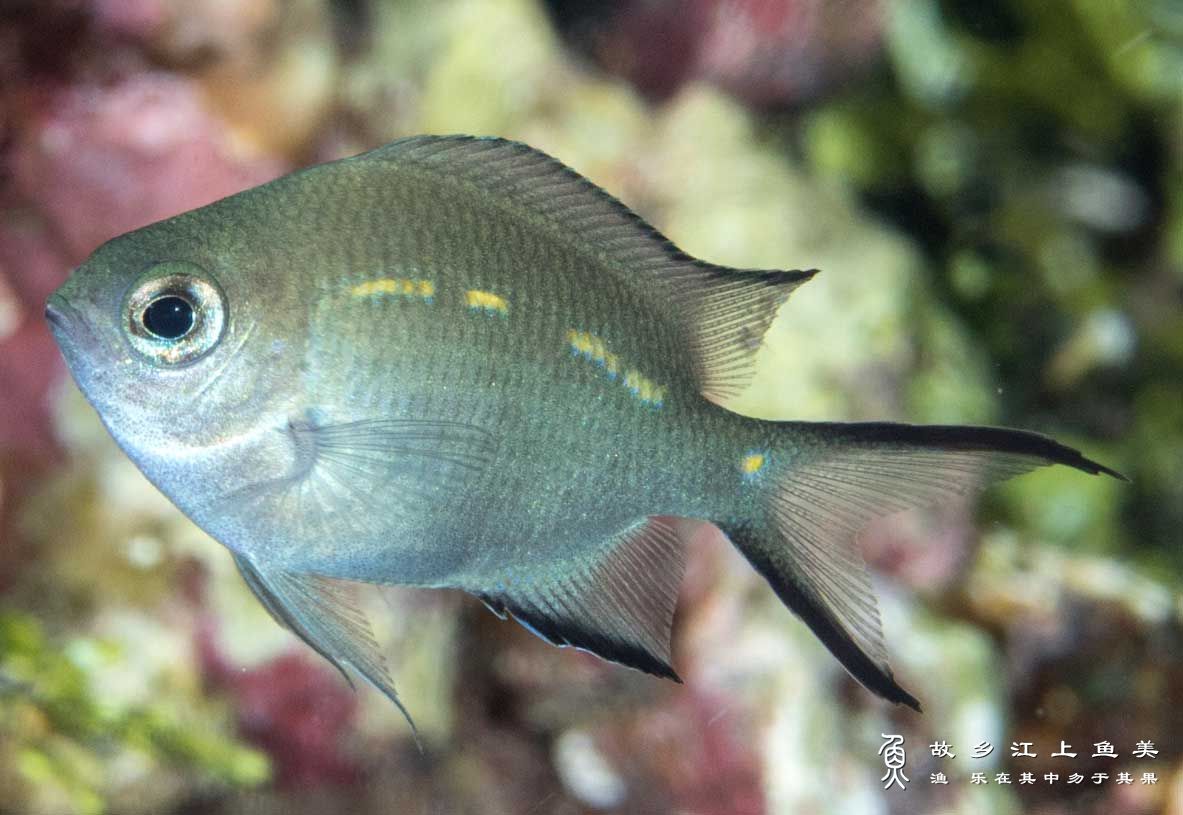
838	478
321	612
618	605
338	471
723	313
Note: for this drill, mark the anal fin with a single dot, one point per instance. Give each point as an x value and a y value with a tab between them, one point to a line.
831	592
617	603
322	612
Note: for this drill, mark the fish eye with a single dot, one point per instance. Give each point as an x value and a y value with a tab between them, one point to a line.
174	313
169	317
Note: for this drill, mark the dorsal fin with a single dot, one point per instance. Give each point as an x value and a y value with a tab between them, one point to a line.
722	312
729	313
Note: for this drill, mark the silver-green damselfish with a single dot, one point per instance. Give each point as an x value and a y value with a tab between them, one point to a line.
454	362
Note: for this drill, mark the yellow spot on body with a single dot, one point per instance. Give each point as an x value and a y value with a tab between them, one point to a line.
486	301
752	463
397	286
590	347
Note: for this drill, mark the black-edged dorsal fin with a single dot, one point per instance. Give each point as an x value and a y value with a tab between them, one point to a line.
723	312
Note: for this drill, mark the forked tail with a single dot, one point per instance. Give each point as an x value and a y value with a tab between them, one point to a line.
820	483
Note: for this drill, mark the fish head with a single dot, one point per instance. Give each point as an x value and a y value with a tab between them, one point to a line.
173	342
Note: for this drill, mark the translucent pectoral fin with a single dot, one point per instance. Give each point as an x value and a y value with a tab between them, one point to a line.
364	482
617	604
368	452
323	613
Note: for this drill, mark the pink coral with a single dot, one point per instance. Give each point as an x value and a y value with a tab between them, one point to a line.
690	749
30	268
100	161
768	52
299	713
135	19
294	707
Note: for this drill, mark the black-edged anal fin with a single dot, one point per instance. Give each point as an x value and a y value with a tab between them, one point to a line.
618	603
831	593
323	613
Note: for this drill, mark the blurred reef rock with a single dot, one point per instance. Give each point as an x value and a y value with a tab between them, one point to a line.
994	193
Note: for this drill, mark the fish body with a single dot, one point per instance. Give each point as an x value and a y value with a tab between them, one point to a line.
453	362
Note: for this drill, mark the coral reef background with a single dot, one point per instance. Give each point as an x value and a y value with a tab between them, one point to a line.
994	192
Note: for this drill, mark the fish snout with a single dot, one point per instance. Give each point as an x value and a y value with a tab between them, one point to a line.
56	311
66	323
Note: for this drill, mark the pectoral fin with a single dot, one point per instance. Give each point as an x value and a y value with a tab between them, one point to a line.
618	603
361	481
324	614
369	453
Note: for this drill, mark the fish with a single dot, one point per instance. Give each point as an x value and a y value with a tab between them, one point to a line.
453	362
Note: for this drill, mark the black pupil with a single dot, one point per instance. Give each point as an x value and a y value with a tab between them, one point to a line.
169	317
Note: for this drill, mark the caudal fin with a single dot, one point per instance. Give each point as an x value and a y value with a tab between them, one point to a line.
820	485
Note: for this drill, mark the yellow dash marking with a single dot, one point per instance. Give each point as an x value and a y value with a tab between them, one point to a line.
370	287
580	341
399	286
594	349
612	365
486	301
752	463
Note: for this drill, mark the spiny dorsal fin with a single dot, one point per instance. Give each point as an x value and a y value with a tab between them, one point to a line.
723	312
323	613
618	603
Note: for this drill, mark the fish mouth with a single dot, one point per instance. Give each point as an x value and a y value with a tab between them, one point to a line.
70	329
58	311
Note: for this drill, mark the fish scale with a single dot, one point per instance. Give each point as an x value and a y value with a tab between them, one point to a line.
462	348
455	362
475	348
